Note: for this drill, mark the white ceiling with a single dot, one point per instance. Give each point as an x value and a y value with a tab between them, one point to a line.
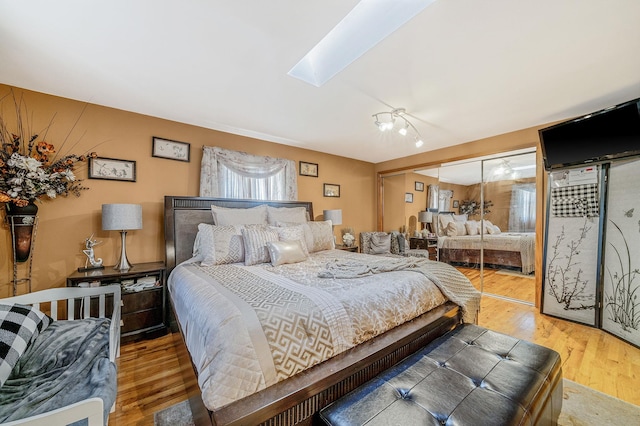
464	69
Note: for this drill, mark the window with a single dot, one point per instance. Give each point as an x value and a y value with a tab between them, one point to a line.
234	174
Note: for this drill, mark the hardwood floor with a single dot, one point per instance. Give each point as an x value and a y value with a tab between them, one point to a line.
149	377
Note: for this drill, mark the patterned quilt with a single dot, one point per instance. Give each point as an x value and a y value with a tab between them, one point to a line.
248	327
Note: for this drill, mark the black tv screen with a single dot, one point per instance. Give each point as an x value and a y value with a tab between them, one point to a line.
604	135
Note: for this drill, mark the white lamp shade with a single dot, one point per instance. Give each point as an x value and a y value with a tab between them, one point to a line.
425	217
335	216
121	217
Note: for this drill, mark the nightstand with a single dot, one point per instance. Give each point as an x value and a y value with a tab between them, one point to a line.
429	244
144	312
347	248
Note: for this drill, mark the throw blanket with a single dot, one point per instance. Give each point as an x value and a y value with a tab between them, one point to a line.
67	363
451	282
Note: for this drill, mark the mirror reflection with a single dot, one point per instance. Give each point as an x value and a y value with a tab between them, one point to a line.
477	215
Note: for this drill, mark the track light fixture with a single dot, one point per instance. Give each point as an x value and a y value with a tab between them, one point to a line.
386	120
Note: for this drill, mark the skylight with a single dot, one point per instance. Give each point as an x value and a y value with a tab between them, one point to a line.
364	27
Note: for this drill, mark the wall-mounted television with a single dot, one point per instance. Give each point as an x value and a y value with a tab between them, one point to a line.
603	135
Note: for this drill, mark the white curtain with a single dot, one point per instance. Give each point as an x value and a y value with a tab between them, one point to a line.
444	200
522	214
235	174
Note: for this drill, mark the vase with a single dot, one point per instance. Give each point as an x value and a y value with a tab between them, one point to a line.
21	223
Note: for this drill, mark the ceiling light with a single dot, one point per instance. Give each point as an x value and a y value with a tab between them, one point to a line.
385	121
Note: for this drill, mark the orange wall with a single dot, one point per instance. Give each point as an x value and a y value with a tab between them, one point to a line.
64	223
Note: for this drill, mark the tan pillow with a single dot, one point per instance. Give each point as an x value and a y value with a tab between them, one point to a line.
255	244
227	216
380	244
460	217
283	252
443	221
456	229
473	227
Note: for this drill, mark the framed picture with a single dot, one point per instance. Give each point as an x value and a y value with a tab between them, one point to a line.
420	186
408	197
331	190
456	204
308	169
173	150
112	169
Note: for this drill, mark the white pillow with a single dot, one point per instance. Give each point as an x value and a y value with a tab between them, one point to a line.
286	214
255	244
380	244
283	252
294	233
473	227
227	216
219	245
460	217
322	232
456	229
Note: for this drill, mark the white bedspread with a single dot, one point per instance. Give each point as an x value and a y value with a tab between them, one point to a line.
267	323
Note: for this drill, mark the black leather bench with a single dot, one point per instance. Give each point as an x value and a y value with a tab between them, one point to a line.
469	376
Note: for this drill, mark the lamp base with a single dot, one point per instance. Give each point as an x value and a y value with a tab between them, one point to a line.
123	264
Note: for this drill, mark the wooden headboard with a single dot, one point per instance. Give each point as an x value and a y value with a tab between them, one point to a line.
183	214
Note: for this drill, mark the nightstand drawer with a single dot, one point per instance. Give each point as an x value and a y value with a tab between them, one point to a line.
141	320
141	300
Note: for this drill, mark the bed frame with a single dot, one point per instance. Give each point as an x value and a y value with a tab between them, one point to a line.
298	399
471	257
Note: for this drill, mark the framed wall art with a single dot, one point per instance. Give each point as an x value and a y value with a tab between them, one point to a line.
408	197
456	204
419	186
172	150
308	169
112	169
331	190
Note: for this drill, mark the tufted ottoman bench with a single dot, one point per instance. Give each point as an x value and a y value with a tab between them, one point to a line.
469	376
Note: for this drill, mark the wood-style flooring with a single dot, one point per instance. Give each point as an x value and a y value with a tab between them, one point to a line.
149	377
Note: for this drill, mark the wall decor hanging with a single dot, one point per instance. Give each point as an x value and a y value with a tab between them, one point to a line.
112	169
172	150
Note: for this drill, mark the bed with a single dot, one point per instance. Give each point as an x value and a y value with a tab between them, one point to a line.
460	241
289	388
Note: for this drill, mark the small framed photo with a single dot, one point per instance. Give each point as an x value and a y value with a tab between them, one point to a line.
456	204
408	197
173	150
419	186
112	169
331	190
308	169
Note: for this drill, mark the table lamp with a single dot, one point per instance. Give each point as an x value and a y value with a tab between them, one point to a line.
425	217
123	218
335	216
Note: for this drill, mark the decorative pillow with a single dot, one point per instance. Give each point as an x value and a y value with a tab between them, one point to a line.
255	244
294	233
308	236
495	229
19	327
286	214
402	247
443	221
488	227
381	243
322	232
473	227
226	216
219	245
456	229
282	252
